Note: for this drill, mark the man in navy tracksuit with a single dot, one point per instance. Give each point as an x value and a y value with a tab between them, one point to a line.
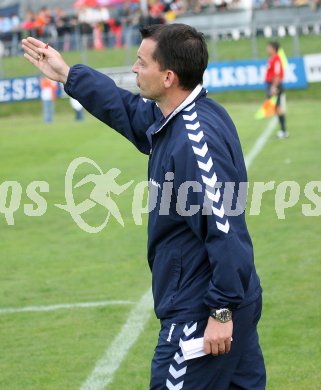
199	250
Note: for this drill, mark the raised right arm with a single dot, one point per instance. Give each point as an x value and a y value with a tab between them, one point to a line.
127	113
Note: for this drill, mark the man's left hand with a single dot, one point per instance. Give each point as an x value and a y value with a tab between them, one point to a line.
217	337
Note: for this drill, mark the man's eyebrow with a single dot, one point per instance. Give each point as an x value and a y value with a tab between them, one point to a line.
140	57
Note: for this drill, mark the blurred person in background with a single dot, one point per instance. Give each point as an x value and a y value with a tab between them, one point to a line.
130	15
274	84
15	33
5	32
155	14
48	93
29	23
78	109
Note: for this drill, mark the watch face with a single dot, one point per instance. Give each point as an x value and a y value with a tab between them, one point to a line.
223	315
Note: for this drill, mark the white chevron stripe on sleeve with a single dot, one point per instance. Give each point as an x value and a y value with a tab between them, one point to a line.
188	331
223	227
214	197
206	166
219	212
193	127
212	194
197	137
191	117
177	373
170	385
210	181
201	151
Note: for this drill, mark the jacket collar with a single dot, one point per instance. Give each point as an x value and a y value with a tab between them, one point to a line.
159	125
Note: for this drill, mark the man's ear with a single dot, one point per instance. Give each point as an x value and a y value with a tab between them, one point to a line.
170	79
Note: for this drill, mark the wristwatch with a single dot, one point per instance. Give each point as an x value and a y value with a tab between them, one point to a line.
221	315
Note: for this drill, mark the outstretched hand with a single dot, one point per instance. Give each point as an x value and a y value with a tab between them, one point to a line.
46	59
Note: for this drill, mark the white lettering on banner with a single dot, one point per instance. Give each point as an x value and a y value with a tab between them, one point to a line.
240	75
312	64
230	76
18	92
32	88
4	90
290	76
19	89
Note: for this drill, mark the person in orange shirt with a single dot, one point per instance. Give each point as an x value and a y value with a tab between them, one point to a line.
274	84
48	96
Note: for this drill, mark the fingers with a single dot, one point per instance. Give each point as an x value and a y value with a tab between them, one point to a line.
35	42
30	52
31	59
214	348
37	46
207	346
217	348
30	45
37	53
228	344
221	349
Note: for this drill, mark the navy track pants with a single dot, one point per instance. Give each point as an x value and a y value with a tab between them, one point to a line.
241	369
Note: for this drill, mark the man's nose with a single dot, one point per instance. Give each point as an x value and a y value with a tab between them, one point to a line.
134	68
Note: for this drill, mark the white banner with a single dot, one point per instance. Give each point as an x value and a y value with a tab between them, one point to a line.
312	64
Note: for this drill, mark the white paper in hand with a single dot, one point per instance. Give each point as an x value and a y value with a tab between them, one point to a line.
192	348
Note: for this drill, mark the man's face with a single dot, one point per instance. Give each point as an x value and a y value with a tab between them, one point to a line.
150	79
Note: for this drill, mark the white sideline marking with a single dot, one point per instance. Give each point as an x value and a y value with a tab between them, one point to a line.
13	310
109	363
106	367
260	142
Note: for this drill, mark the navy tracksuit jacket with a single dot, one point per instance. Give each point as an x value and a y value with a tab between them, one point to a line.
199	259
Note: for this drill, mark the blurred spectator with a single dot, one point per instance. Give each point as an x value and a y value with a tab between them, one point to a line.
78	109
101	26
173	9
48	95
129	15
116	33
5	24
29	23
155	13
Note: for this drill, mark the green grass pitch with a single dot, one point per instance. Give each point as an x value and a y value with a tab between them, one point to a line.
48	260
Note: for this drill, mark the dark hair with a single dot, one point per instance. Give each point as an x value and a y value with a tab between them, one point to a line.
275	45
181	49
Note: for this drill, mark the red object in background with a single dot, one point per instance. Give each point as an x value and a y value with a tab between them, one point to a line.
98	37
85	3
99	3
109	3
116	29
157	9
29	25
